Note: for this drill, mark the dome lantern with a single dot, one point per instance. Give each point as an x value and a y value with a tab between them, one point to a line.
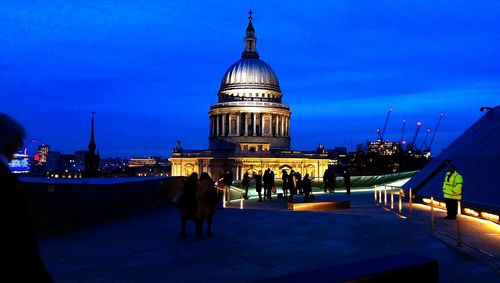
250	40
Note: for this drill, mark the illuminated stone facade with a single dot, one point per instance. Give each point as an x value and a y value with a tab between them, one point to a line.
249	126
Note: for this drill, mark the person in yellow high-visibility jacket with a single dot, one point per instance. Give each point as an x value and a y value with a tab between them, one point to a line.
452	190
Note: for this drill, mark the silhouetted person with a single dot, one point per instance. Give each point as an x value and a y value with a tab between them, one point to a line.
292	185
325	180
332	180
267	183
246	182
258	184
206	199
19	251
452	191
227	181
298	176
188	201
307	186
284	177
271	179
347	181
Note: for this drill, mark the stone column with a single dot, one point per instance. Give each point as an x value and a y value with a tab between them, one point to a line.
223	124
238	118
270	132
288	126
282	126
253	124
216	118
261	124
229	133
276	125
246	124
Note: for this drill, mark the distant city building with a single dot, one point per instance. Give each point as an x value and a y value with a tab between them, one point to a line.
19	163
40	157
53	161
384	148
338	151
67	163
80	160
59	165
92	158
249	126
114	167
149	166
110	164
140	162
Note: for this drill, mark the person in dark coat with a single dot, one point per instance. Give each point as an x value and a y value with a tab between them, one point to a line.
347	181
267	183
292	185
332	181
272	185
307	186
21	258
246	182
284	177
226	181
325	180
188	201
258	184
206	202
298	176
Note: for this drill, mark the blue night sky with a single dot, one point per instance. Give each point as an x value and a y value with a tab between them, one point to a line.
151	70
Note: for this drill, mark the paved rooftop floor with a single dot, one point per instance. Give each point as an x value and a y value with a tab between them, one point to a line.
264	240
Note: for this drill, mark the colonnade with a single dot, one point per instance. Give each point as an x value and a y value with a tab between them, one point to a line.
249	124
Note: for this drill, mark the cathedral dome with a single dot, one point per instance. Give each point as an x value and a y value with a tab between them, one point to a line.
249	113
250	73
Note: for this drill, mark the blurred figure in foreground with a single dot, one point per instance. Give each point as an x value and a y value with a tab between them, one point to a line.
22	262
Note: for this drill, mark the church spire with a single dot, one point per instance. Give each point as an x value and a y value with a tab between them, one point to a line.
250	40
91	158
92	145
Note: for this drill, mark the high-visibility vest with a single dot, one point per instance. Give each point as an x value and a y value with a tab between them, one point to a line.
452	186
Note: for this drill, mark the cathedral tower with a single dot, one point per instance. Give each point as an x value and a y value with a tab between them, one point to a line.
249	114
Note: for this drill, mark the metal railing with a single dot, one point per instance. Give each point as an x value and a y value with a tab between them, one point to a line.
433	204
226	195
381	192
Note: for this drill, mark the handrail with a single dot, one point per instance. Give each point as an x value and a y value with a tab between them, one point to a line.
377	194
383	200
226	195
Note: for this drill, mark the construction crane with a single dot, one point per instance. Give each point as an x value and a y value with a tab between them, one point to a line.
411	147
381	134
428	149
425	140
403	133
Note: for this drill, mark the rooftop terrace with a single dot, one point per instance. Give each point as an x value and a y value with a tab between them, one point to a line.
264	241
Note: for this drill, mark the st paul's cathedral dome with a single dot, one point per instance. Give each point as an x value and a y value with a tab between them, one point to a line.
249	114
